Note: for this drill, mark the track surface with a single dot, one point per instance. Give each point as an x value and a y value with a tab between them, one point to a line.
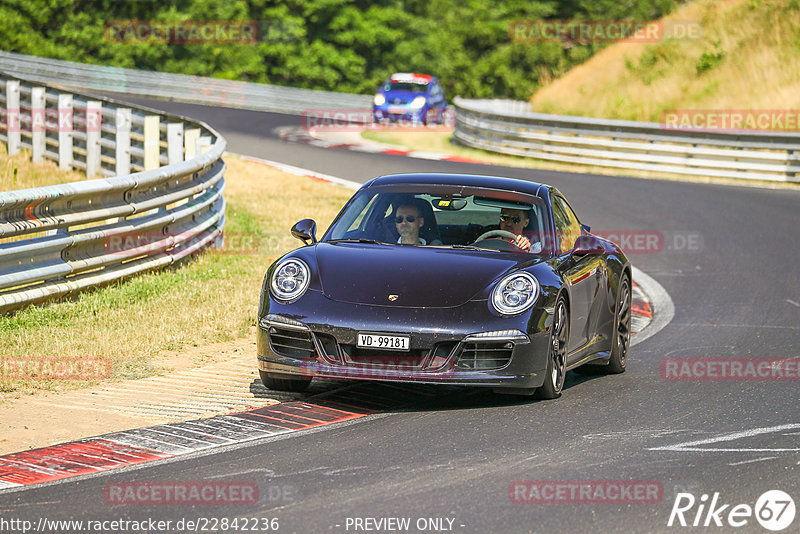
454	455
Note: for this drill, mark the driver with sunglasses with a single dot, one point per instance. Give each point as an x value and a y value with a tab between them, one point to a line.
408	222
513	220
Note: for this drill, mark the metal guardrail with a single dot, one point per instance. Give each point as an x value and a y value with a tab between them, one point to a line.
509	127
59	239
195	89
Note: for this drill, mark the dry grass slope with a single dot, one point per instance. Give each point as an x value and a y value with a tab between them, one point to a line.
747	58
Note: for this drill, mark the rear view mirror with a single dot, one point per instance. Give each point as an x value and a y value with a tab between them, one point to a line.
449	204
305	231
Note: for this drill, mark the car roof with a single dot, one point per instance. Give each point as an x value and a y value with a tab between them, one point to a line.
412	77
468	180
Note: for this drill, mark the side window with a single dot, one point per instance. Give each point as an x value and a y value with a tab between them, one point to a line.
568	229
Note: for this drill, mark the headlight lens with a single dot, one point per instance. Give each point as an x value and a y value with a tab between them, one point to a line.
417	102
290	279
379	99
515	293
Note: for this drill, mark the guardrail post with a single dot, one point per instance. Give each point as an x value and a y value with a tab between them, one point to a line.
94	117
175	142
203	144
122	158
37	123
151	139
65	132
12	117
190	138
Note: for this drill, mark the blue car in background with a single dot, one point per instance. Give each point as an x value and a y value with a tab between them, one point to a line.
417	98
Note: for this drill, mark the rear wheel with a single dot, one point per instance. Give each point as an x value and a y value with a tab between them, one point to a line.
622	329
283	382
556	354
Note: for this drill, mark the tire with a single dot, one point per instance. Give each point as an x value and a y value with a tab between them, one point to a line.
556	353
278	383
622	329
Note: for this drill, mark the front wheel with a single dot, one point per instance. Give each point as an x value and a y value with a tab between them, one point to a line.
283	382
622	328
556	354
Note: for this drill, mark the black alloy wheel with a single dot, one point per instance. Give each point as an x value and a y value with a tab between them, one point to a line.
622	329
556	354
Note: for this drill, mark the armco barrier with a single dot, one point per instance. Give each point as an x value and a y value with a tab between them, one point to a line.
195	89
56	240
507	127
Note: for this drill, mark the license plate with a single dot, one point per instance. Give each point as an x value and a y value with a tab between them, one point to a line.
396	110
384	342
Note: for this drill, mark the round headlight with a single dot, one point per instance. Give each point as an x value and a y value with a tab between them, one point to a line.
290	279
379	99
417	102
515	293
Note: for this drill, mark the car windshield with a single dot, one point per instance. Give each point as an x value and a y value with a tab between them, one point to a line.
469	219
405	86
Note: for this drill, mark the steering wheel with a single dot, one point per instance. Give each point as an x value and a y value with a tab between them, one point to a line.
498	244
496	233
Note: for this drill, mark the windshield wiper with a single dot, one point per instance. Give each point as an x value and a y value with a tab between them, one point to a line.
359	240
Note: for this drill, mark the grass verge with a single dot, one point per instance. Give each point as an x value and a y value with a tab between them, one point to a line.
208	299
18	172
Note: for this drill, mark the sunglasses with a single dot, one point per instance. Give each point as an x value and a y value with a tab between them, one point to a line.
512	218
409	218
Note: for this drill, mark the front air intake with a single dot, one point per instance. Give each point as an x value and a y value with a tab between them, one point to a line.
485	355
291	343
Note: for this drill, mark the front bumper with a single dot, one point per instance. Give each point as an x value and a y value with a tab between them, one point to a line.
468	345
396	113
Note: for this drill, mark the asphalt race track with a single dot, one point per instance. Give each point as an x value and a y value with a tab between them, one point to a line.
448	460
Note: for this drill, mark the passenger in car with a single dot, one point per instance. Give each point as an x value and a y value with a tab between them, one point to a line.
514	221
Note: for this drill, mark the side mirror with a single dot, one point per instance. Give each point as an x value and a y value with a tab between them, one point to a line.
305	231
588	244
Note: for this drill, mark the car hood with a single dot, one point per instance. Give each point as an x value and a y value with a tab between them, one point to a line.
361	273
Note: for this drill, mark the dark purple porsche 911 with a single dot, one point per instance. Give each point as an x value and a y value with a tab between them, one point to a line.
447	279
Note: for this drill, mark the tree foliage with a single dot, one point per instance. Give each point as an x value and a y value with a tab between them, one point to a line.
338	45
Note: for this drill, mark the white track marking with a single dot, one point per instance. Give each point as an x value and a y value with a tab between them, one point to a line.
693	446
753	461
